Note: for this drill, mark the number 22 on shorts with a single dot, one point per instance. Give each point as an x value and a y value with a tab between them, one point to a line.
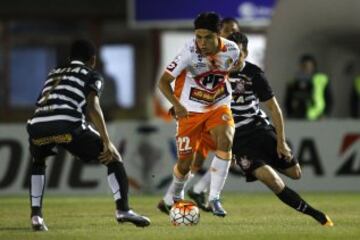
183	144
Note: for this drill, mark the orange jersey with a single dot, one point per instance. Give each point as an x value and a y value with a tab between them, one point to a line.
201	81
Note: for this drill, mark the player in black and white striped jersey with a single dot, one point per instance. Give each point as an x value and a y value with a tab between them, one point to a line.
71	93
260	147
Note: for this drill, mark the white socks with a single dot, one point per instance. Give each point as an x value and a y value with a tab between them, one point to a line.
168	198
203	184
215	177
219	170
177	185
37	188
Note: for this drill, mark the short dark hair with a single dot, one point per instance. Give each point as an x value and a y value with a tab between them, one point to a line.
82	50
209	21
239	38
229	20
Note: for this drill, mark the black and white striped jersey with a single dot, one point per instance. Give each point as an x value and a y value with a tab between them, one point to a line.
249	87
63	97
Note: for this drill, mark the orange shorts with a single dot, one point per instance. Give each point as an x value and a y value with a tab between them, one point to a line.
204	148
193	133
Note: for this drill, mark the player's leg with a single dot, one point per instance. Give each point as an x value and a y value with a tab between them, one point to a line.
188	139
167	201
293	172
40	149
87	145
181	174
37	187
118	182
165	204
289	168
198	191
272	180
222	130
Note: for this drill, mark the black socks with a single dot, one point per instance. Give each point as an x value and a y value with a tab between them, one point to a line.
118	182
293	200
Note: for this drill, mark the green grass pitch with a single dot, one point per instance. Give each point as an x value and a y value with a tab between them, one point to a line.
250	216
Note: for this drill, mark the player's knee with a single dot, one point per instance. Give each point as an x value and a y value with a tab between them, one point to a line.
38	162
224	138
194	169
113	160
182	167
296	174
198	161
196	166
38	166
225	155
225	143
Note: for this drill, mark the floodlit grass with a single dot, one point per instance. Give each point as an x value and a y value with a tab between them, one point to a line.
251	216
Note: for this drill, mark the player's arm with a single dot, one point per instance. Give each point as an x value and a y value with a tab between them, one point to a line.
97	118
93	89
278	122
265	93
166	89
173	70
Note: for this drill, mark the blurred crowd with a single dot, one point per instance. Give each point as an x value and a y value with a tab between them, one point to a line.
309	94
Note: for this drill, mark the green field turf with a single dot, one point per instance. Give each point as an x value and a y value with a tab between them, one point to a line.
251	216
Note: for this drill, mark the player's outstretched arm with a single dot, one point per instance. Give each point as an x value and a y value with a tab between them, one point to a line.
97	118
278	121
166	89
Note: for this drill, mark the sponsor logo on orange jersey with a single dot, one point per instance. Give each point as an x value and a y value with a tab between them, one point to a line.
206	97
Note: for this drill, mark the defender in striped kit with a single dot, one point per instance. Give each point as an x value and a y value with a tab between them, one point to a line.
259	147
71	93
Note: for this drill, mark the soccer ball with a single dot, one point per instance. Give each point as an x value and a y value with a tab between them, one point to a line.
184	213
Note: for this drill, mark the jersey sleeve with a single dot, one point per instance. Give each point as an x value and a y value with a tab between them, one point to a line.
262	87
180	62
95	83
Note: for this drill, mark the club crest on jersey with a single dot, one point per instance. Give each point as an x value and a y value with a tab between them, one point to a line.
239	87
245	162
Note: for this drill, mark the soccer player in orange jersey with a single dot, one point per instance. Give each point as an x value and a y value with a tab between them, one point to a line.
201	100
